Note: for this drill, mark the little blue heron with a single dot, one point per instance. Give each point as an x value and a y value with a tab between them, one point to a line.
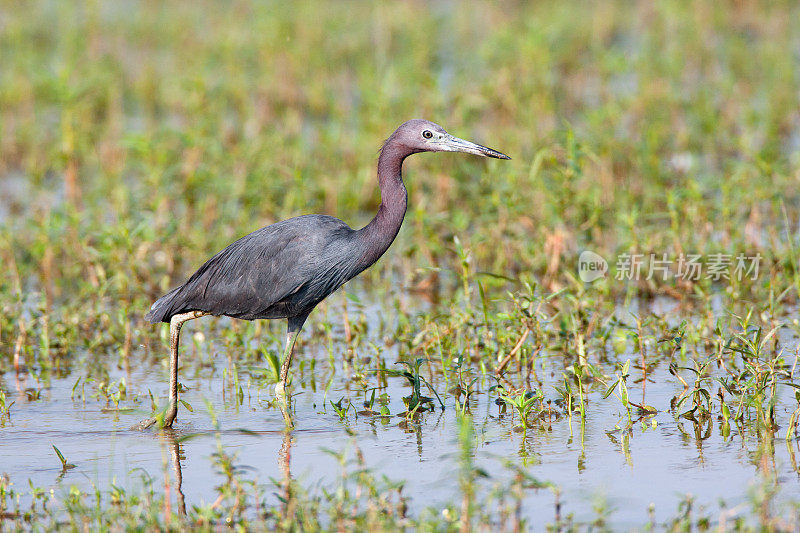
285	269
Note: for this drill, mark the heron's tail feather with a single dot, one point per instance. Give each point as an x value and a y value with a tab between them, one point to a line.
161	310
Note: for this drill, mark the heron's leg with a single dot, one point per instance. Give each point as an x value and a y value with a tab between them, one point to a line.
280	387
295	324
175	324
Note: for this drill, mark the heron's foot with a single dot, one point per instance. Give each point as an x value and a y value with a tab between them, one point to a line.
170	416
164	422
145	424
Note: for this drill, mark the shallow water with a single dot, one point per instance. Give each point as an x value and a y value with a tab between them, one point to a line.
659	461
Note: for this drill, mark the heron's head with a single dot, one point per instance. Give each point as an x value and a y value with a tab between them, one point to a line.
425	136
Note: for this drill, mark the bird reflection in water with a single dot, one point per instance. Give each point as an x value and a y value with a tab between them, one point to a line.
175	445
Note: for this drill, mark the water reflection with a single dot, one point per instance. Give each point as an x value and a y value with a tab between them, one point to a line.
177	453
284	462
175	444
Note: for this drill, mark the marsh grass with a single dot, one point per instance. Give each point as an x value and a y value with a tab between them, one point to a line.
133	146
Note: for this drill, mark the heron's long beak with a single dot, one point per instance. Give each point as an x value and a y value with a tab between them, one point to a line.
454	144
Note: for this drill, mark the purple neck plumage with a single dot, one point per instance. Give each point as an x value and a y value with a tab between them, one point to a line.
377	236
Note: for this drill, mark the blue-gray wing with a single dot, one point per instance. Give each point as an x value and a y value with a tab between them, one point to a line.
265	274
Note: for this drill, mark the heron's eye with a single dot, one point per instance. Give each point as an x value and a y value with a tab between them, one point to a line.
427	134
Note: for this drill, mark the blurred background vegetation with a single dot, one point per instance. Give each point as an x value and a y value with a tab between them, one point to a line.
138	138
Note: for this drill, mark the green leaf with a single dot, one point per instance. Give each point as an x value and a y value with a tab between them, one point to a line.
769	335
60	455
610	389
64	464
724	383
353	297
77	382
275	364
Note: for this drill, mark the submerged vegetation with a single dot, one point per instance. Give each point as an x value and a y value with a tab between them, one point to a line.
138	138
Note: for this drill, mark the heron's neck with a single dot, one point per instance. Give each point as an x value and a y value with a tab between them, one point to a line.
378	235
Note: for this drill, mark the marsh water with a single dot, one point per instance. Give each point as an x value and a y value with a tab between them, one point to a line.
635	473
